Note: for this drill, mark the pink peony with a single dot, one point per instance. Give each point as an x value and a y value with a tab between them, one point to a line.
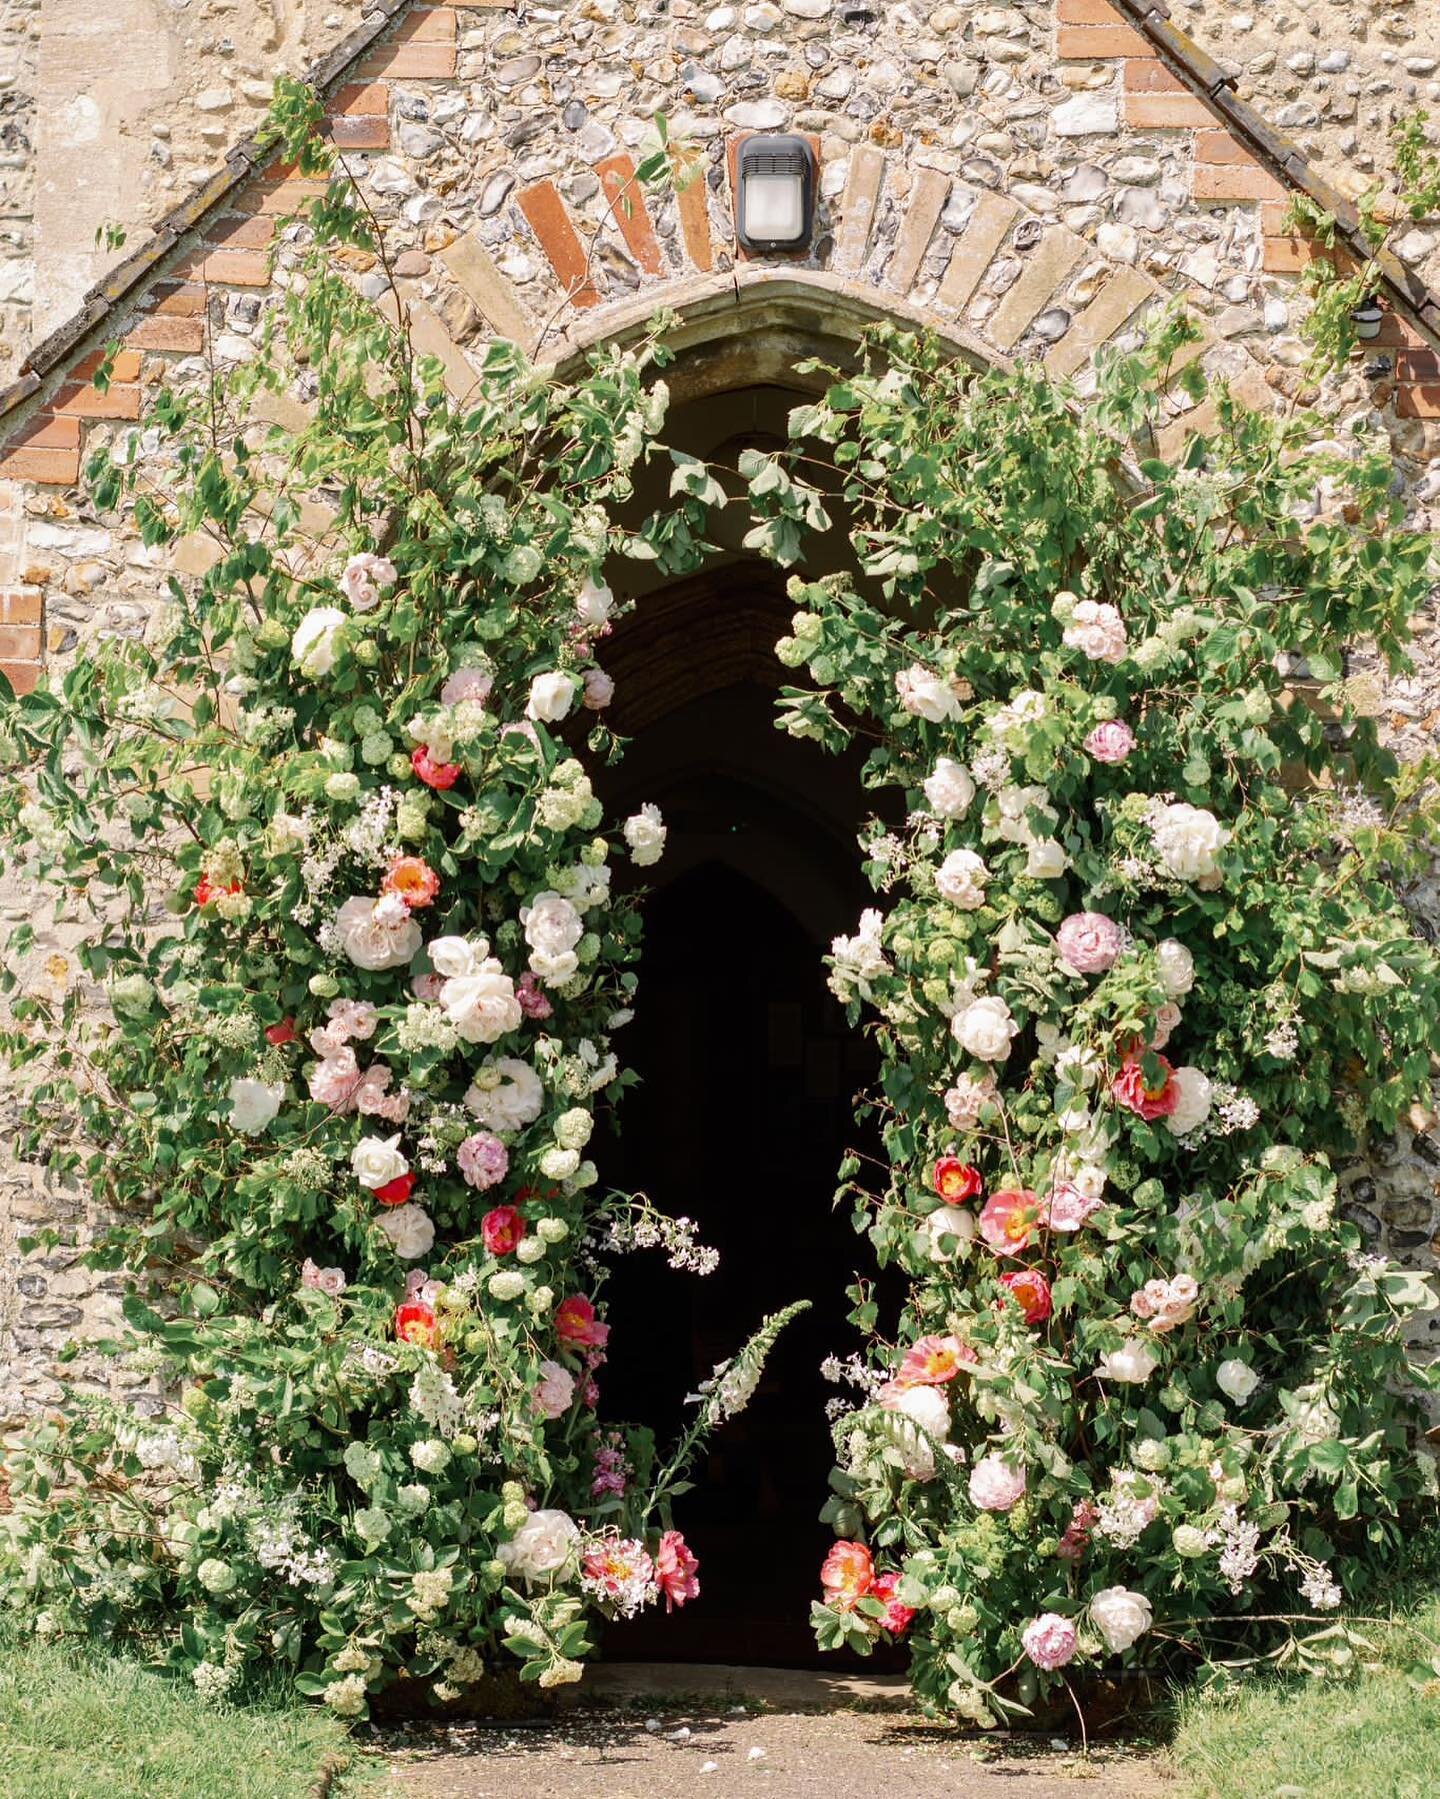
483	1160
1089	942
531	998
1049	1641
599	690
434	774
675	1570
472	684
1069	1208
502	1229
1009	1219
994	1485
577	1325
555	1390
1110	742
932	1361
1148	1098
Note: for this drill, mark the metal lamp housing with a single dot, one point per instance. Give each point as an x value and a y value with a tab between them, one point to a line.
775	192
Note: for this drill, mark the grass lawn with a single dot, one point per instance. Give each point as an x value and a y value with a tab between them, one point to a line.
88	1728
1377	1735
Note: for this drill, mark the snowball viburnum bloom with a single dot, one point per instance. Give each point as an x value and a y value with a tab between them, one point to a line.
949	789
1188	841
551	697
961	879
985	1029
645	833
316	642
926	695
253	1105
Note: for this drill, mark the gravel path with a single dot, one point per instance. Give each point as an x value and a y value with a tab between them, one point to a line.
717	1751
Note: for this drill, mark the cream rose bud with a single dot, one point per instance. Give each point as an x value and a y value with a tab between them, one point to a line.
985	1029
949	1221
1237	1380
950	789
926	695
411	1230
1132	1364
253	1104
594	602
961	879
645	833
374	1161
542	1546
551	697
1193	1108
317	640
1045	860
1177	967
1121	1617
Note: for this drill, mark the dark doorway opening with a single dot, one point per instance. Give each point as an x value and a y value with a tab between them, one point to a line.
748	1077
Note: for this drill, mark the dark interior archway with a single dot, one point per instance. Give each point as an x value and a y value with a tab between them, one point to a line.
748	1075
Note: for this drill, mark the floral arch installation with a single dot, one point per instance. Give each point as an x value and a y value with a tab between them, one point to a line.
348	887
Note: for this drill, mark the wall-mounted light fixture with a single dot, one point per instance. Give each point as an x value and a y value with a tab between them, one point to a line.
774	192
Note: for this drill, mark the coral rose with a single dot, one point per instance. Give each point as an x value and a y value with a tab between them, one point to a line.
417	1324
1010	1218
847	1575
956	1180
1147	1095
897	1617
1031	1292
413	879
675	1570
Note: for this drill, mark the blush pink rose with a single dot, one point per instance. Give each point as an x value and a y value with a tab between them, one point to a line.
599	690
1089	942
994	1485
1110	742
483	1160
1049	1640
1069	1207
467	684
530	998
555	1390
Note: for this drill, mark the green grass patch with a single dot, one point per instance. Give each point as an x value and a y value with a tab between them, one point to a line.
88	1727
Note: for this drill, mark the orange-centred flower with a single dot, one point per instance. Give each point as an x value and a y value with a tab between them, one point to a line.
956	1180
847	1575
413	880
932	1361
1010	1219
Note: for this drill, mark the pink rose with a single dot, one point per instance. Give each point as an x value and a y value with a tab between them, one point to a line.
1110	742
471	684
1089	942
1049	1640
1166	1020
555	1391
675	1570
599	690
994	1485
324	1280
427	987
1069	1207
483	1160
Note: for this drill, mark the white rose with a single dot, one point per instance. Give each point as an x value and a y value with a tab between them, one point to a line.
551	697
645	833
482	1006
1187	841
506	1095
410	1229
961	878
376	1160
1133	1363
1097	630
451	956
1316	1420
926	696
1120	1616
1237	1380
1177	967
1013	806
950	789
317	641
253	1104
594	603
543	1545
552	929
1193	1107
372	938
363	577
949	1221
985	1029
924	1407
1045	860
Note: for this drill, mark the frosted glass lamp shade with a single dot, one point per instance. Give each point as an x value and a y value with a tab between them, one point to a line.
775	193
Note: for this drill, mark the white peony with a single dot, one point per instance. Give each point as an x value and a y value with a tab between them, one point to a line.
363	577
1097	630
1045	859
594	603
1196	1096
410	1229
317	641
551	697
1177	967
926	1408
543	1545
374	935
253	1104
1237	1380
949	1221
950	789
1133	1363
482	1004
1120	1616
645	833
552	929
1187	841
985	1029
376	1160
927	696
961	878
506	1094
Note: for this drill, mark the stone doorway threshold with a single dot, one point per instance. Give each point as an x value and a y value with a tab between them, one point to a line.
785	1689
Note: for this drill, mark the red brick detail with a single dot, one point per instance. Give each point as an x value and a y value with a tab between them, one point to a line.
1287	255
124	366
371	133
1084	43
1087	12
20	606
242	231
24	677
182	298
46	431
1149	76
692	202
422	49
361	98
1219	147
230	268
169	332
626	198
1421	401
82	400
19	643
1234	181
58	467
550	222
285	193
1164	112
1417	365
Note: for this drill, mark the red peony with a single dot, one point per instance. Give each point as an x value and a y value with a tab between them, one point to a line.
1031	1292
398	1191
502	1229
434	774
956	1180
577	1325
1154	1096
897	1617
284	1032
847	1575
675	1570
416	1323
206	892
